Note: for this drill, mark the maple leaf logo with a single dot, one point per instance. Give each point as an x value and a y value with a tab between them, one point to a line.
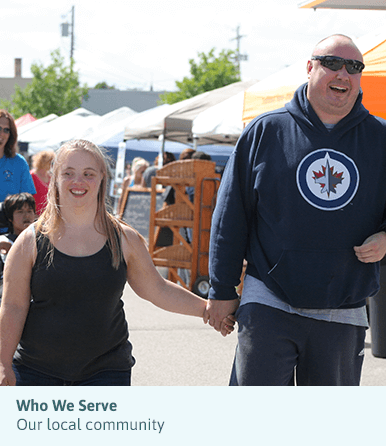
327	178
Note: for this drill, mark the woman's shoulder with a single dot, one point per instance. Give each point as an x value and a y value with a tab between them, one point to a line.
28	236
19	160
132	241
25	245
129	232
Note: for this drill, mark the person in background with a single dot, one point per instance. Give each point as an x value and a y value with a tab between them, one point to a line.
21	212
151	170
303	200
134	177
41	174
186	154
14	171
169	158
62	320
199	155
138	168
127	179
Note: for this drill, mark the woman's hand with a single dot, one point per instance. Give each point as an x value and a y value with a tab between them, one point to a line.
228	325
7	376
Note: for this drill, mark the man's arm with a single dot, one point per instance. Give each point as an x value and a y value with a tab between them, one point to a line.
230	234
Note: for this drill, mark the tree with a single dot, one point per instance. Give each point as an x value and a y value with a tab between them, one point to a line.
209	73
103	86
55	89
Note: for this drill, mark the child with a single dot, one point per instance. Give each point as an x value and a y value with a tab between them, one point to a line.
20	212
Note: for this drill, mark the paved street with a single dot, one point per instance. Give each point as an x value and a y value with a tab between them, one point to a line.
177	350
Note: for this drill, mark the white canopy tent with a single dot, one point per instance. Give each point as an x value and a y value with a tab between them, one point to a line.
148	124
52	134
150	148
109	125
31	125
175	121
222	123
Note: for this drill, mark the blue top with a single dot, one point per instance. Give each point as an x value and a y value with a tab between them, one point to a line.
15	177
294	200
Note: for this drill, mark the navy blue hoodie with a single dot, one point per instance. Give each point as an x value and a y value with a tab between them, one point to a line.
294	200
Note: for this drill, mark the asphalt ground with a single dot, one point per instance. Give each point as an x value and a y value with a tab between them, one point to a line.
177	350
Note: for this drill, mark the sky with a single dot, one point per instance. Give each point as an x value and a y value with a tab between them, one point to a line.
139	44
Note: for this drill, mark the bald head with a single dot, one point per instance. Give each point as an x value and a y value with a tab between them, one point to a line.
334	42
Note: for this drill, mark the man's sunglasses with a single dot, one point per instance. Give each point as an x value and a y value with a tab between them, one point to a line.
335	63
6	130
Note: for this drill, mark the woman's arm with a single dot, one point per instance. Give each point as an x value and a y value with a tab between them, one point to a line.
15	301
147	283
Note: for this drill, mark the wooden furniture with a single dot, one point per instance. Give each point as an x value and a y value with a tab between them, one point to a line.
183	214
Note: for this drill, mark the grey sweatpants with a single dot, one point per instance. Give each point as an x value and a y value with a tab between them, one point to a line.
276	348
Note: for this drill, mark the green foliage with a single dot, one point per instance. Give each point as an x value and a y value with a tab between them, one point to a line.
54	89
103	86
209	73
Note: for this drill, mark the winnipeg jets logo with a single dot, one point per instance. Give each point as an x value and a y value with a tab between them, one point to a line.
327	179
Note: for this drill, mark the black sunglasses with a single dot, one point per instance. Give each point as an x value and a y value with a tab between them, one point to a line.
6	130
335	63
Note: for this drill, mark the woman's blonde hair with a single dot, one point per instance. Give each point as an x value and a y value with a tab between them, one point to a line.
138	162
105	223
43	160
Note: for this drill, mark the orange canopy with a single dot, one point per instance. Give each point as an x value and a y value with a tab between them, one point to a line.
264	96
374	80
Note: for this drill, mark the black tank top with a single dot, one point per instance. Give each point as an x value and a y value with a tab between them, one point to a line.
76	324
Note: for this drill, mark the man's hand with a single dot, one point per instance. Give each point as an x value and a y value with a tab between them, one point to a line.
373	248
218	310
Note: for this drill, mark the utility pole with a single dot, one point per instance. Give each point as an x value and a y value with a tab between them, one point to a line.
65	26
72	32
239	57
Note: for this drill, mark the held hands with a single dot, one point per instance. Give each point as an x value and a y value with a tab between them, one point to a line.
219	314
373	248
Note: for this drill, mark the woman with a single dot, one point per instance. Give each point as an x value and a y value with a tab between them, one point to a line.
138	168
14	170
75	266
41	174
134	178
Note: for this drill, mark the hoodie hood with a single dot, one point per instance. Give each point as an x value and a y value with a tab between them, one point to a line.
303	113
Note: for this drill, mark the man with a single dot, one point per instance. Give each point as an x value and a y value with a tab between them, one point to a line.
303	200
